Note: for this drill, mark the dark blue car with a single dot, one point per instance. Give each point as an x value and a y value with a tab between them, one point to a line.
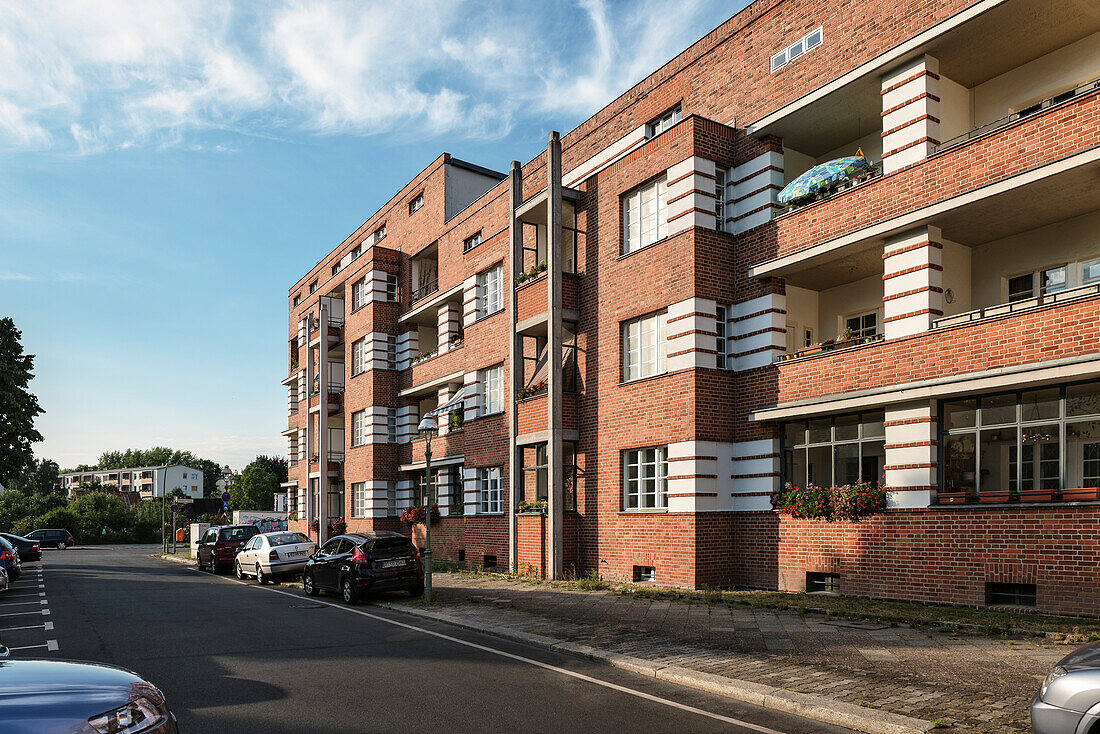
9	559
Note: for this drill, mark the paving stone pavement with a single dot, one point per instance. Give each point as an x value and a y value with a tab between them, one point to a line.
973	683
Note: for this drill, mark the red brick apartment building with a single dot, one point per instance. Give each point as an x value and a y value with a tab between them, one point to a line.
693	345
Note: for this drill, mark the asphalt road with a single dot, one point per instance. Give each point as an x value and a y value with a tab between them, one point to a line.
236	657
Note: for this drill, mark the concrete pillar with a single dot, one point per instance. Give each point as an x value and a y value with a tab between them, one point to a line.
442	421
515	368
450	324
910	113
912	454
912	292
554	448
322	432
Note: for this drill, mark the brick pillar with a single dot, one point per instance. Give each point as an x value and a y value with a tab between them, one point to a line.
912	282
911	454
910	113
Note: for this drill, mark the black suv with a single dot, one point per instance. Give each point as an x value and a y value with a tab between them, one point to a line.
359	563
60	539
29	550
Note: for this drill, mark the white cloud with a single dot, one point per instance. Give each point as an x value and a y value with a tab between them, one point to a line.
96	75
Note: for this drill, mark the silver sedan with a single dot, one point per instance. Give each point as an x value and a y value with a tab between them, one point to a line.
271	554
1069	700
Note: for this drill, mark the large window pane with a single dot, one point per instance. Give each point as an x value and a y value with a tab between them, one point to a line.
1083	454
997	447
873	425
1043	457
959	414
847	428
1040	404
847	463
819	468
794	434
821	431
873	462
998	409
960	457
1083	399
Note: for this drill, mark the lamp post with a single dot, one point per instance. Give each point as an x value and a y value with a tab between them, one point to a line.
427	430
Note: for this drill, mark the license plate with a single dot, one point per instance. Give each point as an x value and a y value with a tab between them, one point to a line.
296	554
393	564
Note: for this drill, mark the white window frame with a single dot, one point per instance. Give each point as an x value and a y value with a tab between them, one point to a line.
799	48
359	294
359	428
663	122
358	356
1082	270
645	215
391	287
720	200
490	490
722	341
417	203
645	468
490	290
639	360
391	497
379	233
472	241
359	499
391	425
861	315
492	389
391	351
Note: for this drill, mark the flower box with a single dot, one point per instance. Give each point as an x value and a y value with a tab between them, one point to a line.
953	498
1036	495
999	496
1080	494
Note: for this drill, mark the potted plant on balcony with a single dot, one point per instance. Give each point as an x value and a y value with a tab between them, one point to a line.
454	421
415	515
1037	495
538	507
1080	494
996	496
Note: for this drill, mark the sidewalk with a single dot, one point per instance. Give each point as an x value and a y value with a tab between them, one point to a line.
964	682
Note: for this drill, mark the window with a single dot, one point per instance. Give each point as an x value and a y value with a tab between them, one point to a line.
817	583
298	300
833	452
1021	288
416	203
359	356
391	425
721	343
658	125
379	234
645	218
1039	440
720	200
359	428
472	241
1090	272
391	498
492	387
391	286
357	251
1016	595
645	473
645	574
313	287
359	294
1030	285
359	499
645	346
391	351
335	269
489	561
862	325
796	49
490	287
489	487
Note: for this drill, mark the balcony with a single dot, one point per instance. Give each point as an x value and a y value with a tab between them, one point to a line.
425	273
531	413
1013	307
531	298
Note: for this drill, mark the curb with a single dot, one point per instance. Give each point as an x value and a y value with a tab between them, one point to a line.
818	708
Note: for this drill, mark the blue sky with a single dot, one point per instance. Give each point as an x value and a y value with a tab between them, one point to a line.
168	170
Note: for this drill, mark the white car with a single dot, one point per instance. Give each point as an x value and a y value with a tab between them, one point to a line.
271	554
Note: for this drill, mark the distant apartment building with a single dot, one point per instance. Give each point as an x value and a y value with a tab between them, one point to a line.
630	344
147	481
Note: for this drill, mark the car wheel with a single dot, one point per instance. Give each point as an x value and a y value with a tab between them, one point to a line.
260	578
417	591
239	570
347	590
308	585
61	545
213	564
198	563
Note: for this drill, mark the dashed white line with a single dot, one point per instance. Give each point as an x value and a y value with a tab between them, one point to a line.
22	603
29	627
43	612
51	645
47	626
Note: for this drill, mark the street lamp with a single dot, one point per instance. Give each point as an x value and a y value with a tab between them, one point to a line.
427	430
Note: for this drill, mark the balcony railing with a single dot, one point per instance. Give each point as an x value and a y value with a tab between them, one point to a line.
424	291
1003	309
1034	109
336	457
837	188
830	345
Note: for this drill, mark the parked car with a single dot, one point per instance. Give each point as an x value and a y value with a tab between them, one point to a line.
271	554
358	563
1069	700
29	550
9	559
3	579
71	696
219	546
52	538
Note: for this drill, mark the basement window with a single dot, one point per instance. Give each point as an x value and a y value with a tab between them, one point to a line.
645	573
489	562
462	556
822	583
1015	595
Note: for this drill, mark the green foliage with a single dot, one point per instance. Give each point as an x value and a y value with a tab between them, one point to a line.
40	478
851	502
18	405
277	465
254	488
159	456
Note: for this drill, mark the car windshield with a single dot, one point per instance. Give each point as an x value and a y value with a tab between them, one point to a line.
284	539
232	535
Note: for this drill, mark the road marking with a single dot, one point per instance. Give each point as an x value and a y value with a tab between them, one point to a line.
22	603
530	661
32	647
51	645
43	612
29	593
27	627
47	626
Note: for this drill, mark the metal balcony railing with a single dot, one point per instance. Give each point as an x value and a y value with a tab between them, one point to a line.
424	291
1002	309
830	345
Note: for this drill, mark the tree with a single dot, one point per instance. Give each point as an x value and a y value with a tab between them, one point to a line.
18	406
253	489
40	478
277	465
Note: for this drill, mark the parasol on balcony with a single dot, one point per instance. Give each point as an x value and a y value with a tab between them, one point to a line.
822	177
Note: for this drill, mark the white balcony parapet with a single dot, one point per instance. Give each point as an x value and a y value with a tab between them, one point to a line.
1003	309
